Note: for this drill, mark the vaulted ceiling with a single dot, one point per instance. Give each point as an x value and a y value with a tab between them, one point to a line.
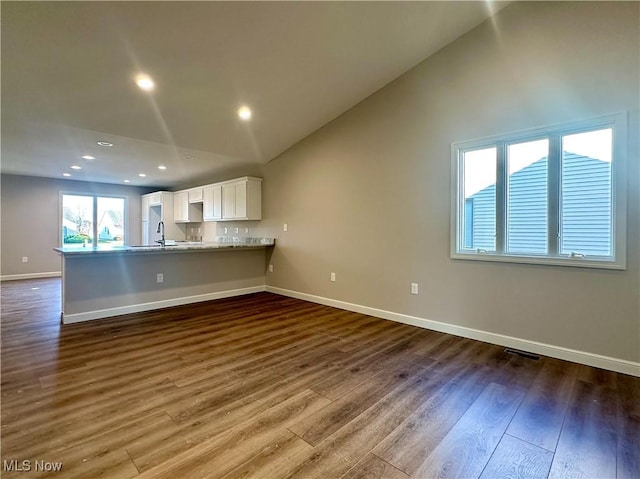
68	71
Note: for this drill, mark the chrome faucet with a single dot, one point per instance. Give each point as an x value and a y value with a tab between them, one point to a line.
161	228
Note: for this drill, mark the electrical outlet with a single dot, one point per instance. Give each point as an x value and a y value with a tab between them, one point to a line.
159	278
237	230
25	259
414	288
333	276
246	230
285	227
226	230
270	268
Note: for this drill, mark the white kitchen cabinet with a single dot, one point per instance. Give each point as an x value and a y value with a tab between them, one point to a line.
196	195
217	201
157	207
212	202
181	206
242	199
145	233
155	199
183	210
229	201
144	207
238	199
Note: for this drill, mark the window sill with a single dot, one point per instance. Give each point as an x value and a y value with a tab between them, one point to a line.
560	261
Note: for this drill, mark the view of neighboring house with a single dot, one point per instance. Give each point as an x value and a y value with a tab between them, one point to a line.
110	226
585	209
78	218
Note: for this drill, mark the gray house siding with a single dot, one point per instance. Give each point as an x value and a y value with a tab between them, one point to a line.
483	222
527	209
585	209
586	206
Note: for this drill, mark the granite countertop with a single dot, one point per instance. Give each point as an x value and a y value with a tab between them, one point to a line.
222	242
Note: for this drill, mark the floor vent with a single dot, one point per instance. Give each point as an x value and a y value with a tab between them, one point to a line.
524	354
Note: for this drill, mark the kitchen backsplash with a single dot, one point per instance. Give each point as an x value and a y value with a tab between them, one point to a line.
210	230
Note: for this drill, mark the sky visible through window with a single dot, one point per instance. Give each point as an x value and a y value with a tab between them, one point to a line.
480	165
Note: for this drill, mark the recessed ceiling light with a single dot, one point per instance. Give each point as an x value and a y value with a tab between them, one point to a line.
145	82
88	157
104	143
127	181
76	167
141	175
244	112
66	174
162	167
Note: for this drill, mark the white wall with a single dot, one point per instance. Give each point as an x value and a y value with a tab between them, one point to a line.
368	196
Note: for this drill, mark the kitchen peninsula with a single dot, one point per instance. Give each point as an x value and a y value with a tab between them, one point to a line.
99	282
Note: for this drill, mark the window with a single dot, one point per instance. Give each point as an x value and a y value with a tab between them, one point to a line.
87	217
552	195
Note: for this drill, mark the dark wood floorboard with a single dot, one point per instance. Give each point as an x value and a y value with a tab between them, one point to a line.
372	467
539	418
268	387
628	461
421	432
515	459
588	442
467	448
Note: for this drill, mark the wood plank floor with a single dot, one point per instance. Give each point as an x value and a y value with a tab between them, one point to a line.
266	386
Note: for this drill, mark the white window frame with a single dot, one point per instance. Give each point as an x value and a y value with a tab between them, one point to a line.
617	260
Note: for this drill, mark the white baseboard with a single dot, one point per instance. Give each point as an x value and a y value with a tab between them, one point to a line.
590	359
17	277
138	308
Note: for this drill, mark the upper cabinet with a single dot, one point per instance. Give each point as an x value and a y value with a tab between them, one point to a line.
185	210
196	195
212	203
239	199
233	200
144	207
164	199
157	207
156	199
181	207
242	199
